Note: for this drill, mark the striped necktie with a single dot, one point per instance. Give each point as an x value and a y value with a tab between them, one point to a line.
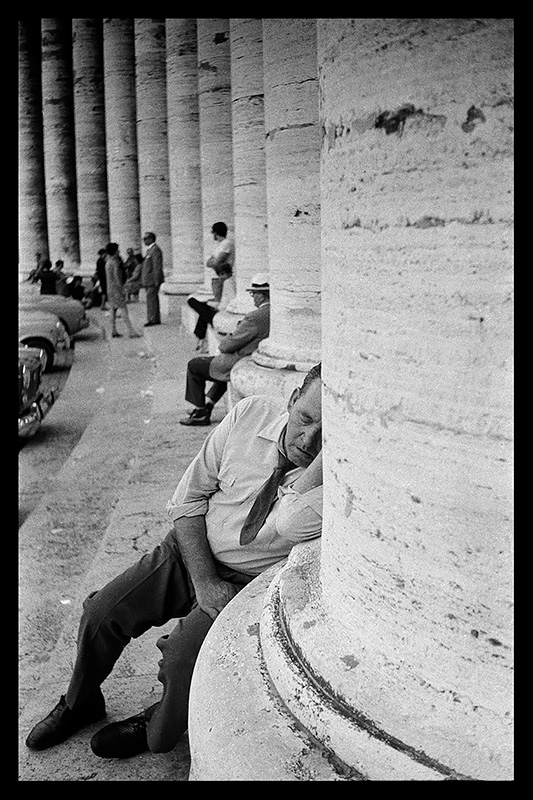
264	501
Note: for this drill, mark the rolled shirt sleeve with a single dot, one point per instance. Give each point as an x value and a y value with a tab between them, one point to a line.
299	516
200	479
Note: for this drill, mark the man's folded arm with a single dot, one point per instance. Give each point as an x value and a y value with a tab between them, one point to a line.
300	512
245	331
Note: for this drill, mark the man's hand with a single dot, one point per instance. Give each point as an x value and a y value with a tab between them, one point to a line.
312	476
214	595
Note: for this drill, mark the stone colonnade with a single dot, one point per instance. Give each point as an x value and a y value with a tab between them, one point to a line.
366	164
383	651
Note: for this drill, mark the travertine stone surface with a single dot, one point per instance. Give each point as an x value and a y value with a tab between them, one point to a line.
152	133
121	133
184	153
89	111
249	171
214	98
293	195
59	144
33	234
417	241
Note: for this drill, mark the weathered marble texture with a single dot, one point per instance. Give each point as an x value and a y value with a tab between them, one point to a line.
293	194
152	132
59	142
121	133
415	570
33	233
184	151
216	159
249	171
89	117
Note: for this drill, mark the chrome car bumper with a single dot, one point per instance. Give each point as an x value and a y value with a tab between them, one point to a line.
31	420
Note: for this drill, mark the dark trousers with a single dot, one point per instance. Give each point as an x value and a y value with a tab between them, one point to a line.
205	316
197	376
150	593
153	313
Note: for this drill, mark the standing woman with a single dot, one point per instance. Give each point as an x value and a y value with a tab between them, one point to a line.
116	295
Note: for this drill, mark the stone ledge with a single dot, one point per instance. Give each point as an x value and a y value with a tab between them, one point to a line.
239	728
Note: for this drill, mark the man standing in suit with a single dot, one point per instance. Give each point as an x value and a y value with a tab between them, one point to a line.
252	328
152	278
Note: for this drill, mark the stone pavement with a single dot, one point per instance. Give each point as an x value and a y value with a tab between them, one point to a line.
132	454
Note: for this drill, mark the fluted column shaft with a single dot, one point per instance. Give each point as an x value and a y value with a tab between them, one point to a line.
33	233
121	133
293	198
152	132
216	158
59	142
249	170
89	115
184	152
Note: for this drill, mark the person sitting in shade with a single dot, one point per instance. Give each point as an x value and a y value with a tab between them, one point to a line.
250	330
207	310
253	491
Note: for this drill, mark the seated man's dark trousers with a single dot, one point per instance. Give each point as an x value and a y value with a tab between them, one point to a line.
205	316
197	376
150	593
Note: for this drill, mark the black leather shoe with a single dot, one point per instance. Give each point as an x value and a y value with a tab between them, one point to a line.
122	739
199	416
147	324
61	722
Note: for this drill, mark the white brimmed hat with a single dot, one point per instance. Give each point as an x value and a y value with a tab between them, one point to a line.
260	283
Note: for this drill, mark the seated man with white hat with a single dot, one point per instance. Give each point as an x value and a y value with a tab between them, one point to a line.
253	327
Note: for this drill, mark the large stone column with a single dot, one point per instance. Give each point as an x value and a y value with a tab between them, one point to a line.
184	162
33	234
216	160
390	640
249	169
59	142
89	117
152	138
293	210
121	134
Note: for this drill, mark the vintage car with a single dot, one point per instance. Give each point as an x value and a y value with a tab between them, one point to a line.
45	331
71	312
34	401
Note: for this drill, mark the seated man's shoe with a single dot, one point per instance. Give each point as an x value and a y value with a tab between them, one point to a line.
61	722
147	324
122	739
199	416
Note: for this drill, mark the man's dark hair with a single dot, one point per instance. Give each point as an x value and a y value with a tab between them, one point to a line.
111	248
221	228
314	373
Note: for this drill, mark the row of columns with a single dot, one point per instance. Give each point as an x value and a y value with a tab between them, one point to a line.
385	650
172	125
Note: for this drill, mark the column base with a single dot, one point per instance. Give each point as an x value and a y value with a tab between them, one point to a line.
172	293
239	728
308	663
